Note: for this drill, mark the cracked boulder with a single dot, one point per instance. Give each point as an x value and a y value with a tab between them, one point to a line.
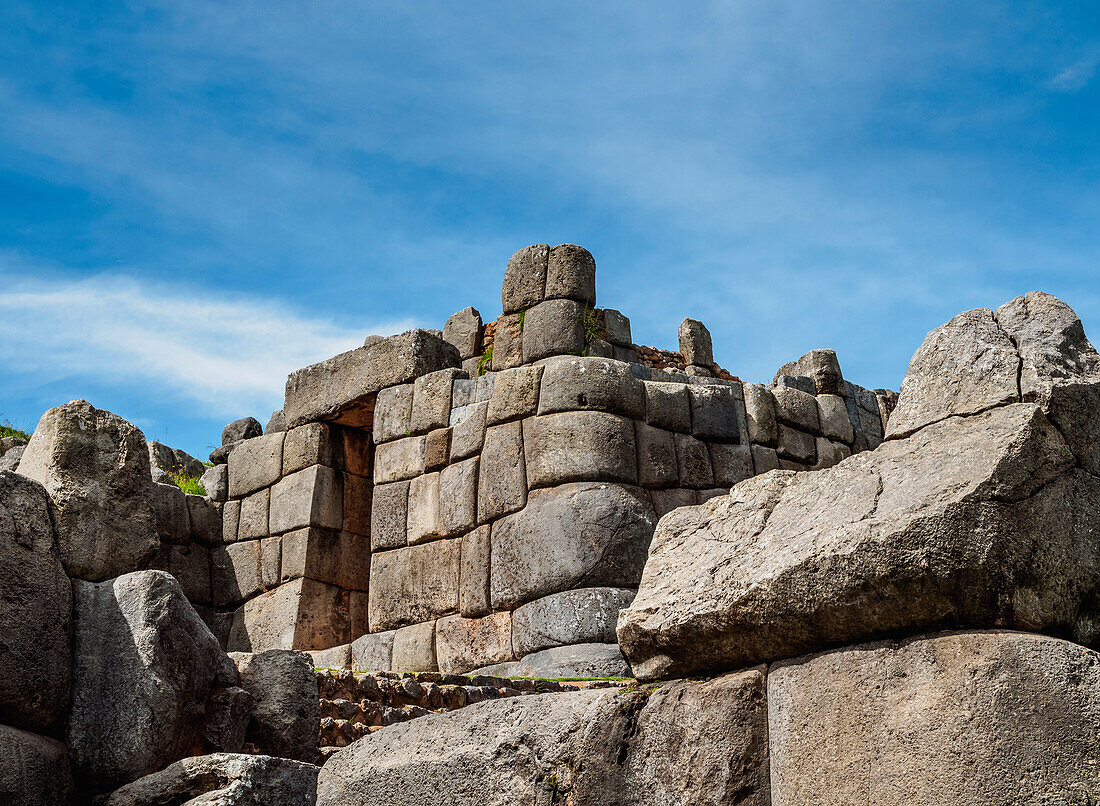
982	510
681	742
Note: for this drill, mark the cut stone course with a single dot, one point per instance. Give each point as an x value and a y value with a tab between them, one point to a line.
554	327
413	584
579	446
502	477
578	384
580	616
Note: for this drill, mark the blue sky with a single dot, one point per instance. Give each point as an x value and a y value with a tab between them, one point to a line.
198	197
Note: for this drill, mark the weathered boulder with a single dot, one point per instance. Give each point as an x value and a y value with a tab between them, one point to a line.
983	520
95	467
145	673
287	710
34	770
223	779
10	459
695	343
35	610
683	742
973	719
238	430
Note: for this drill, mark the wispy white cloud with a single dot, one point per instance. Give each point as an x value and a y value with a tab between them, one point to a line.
1078	75
219	355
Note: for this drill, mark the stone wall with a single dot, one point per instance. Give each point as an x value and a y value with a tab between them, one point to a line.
487	499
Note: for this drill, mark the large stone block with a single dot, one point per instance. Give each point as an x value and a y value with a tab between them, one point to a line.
236	572
571	274
34	770
393	413
223	779
414	648
502	476
877	544
668	406
373	652
144	668
425	522
190	565
554	327
338	558
508	342
400	460
796	445
575	535
579	446
468	433
796	409
686	742
616	327
35	610
302	614
575	660
431	405
287	705
657	466
731	463
822	367
310	497
215	480
413	584
463	330
342	389
458	497
170	510
473	582
95	468
389	513
231	520
525	278
589	383
463	644
255	463
760	414
254	522
693	458
580	616
835	423
205	517
718	413
515	395
311	444
975	718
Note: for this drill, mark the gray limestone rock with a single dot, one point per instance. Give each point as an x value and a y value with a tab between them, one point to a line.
657	465
254	520
95	468
822	367
310	497
342	389
571	274
502	477
796	445
576	535
302	614
236	572
975	718
145	666
579	616
424	521
468	434
35	610
190	565
287	710
34	770
616	327
591	660
731	463
664	501
718	413
573	383
399	460
668	406
473	584
372	652
275	423
515	395
413	584
464	644
431	404
508	342
695	344
244	428
796	409
463	330
554	327
764	459
414	648
525	278
170	511
393	413
760	413
172	461
835	423
11	458
579	446
693	459
683	743
389	513
458	497
310	444
223	779
255	463
945	527
215	480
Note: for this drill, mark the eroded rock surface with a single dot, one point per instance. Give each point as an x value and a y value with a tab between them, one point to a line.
985	515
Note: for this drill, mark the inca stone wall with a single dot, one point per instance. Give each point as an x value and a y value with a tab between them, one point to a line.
485	496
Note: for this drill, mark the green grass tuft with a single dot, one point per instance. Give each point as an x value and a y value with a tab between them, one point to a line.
12	431
486	362
191	485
